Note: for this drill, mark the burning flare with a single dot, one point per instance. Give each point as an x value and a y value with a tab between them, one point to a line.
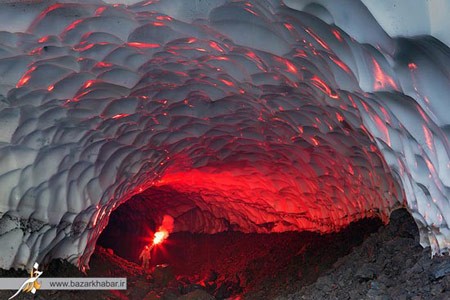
160	236
164	230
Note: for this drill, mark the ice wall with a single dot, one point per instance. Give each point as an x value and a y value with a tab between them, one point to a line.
268	116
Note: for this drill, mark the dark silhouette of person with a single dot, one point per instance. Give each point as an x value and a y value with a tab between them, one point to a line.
145	256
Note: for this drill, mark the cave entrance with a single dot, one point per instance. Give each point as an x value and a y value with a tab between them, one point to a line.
235	262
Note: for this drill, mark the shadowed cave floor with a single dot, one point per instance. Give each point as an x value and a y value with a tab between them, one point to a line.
389	264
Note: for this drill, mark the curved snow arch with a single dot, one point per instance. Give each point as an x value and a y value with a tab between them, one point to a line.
281	121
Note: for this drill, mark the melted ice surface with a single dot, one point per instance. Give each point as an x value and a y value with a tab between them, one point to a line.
272	117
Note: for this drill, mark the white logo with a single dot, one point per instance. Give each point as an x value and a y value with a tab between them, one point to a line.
31	284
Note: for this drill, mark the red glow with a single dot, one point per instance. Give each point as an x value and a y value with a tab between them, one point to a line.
320	83
340	64
36	51
255	58
96	216
88	84
412	66
251	11
100	10
191	40
103	64
73	25
229	83
381	125
158	24
164	18
221	58
23	81
291	68
119	116
366	108
26	77
44	39
81	48
244	186
50	88
337	35
428	137
423	114
300	53
318	39
252	55
45	12
288	26
382	80
215	46
143	45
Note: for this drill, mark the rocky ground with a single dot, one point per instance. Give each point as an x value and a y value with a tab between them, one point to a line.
364	261
390	264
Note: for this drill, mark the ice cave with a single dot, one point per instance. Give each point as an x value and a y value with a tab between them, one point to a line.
230	116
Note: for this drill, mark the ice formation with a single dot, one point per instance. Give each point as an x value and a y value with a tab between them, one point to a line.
266	116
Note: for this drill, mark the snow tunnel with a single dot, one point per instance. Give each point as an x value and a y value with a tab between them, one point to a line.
251	116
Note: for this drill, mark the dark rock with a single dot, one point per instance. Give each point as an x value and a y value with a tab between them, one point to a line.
324	283
139	290
62	267
440	270
388	265
169	295
436	289
377	286
402	224
150	296
443	296
212	276
185	289
446	283
227	289
162	275
366	272
355	294
197	295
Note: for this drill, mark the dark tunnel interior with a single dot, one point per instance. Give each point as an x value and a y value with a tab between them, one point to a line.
242	262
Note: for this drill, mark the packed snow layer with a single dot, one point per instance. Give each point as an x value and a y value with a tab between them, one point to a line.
267	116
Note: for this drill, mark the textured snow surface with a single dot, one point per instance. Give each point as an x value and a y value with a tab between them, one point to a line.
265	118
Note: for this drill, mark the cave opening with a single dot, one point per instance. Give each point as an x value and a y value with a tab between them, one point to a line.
274	213
226	261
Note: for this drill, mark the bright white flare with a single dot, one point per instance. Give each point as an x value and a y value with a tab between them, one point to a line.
164	230
160	236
